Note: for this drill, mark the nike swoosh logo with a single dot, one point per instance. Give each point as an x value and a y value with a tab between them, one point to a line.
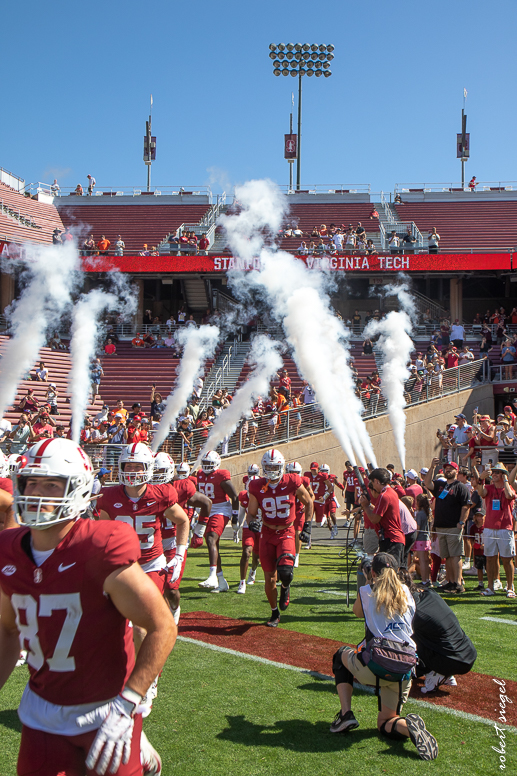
150	502
64	568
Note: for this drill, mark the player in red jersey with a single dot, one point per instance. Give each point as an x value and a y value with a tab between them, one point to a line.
322	490
275	494
331	502
6	495
217	485
350	482
296	468
253	471
182	472
250	539
145	508
313	472
186	493
70	587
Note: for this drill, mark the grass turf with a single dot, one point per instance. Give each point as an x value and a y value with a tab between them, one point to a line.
220	714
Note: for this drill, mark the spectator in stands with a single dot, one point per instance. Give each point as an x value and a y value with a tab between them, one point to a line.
96	374
303	250
148	340
321	248
67	236
508	359
452	357
486	332
79	190
144	251
29	402
433	240
204	244
472	183
315	232
360	230
182	315
361	245
154	251
408	241
312	247
367	347
42	429
56	238
54	188
398	200
445	332
370	248
350	240
510	415
137	341
157	403
41	373
119	246
91	184
285	384
103	246
374	214
466	355
394	242
457	334
89	246
501	334
337	239
117	432
110	348
21	435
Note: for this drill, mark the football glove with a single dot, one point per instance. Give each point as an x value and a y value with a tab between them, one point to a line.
174	567
112	744
197	536
255	526
306	531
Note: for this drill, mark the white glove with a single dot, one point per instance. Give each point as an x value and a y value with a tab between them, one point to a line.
112	744
174	567
199	530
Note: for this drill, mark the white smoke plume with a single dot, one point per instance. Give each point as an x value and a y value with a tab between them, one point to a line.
396	344
265	357
198	345
51	273
299	300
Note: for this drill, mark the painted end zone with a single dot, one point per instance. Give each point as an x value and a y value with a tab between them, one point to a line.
475	694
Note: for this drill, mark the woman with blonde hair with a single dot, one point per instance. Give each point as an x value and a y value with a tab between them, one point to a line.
388	608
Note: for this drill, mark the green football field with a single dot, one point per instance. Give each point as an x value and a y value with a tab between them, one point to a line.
222	712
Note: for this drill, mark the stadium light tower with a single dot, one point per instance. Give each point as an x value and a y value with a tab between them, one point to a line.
299	59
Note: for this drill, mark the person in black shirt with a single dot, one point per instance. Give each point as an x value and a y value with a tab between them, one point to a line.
452	501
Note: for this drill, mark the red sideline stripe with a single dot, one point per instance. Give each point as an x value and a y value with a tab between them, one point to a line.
41	450
475	694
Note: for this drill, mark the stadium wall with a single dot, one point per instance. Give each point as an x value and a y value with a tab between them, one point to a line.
421	443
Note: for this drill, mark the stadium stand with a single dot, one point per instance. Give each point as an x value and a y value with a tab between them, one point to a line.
465	225
306	216
136	223
24	219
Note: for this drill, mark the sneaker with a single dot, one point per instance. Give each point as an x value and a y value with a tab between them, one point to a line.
487	593
480	586
242	587
273	620
446	587
498	585
510	593
251	577
149	757
425	743
212	581
432	682
22	659
466	564
450	682
284	598
344	722
222	587
296	561
457	590
470	572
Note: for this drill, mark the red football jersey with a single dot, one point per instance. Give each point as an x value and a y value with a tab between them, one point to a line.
6	484
210	485
244	499
183	490
350	480
299	507
278	503
79	647
145	516
319	487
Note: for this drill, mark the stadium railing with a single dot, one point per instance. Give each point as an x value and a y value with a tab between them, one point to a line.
406	188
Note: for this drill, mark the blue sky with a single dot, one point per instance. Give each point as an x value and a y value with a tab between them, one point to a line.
77	79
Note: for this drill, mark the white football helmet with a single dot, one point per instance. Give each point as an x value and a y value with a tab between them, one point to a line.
4	465
136	453
13	461
273	465
252	477
182	471
210	462
253	470
53	458
293	467
163	470
324	468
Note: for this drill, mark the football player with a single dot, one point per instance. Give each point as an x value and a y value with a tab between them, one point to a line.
70	588
145	507
331	502
296	468
163	474
250	539
182	472
275	494
322	490
350	481
217	485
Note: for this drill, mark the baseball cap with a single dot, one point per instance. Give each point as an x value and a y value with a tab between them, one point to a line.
451	463
136	418
424	470
53	385
104	471
412	473
314	465
508	407
383	560
461	415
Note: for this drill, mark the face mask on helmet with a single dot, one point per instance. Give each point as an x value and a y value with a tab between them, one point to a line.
13	461
253	470
163	470
61	466
136	454
294	468
182	471
210	462
273	465
325	468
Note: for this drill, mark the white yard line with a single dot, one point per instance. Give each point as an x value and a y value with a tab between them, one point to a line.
316	674
499	619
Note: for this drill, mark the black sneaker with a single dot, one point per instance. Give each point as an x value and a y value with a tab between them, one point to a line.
480	586
446	587
344	722
274	619
425	743
457	590
284	598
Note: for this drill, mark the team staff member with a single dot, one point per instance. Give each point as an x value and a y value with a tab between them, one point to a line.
388	608
498	535
70	588
385	514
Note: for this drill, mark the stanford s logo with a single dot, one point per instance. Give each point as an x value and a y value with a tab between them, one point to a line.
9	570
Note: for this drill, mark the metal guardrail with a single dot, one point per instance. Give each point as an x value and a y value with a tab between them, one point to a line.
39	187
406	188
11	180
330	188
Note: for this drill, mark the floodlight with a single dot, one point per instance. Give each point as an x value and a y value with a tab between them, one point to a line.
276	71
294	73
306	55
322	57
318	72
290	46
276	63
281	46
322	48
326	65
330	47
272	55
314	47
285	72
290	55
298	55
272	46
298	47
330	57
327	73
314	55
306	47
310	72
281	55
302	71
